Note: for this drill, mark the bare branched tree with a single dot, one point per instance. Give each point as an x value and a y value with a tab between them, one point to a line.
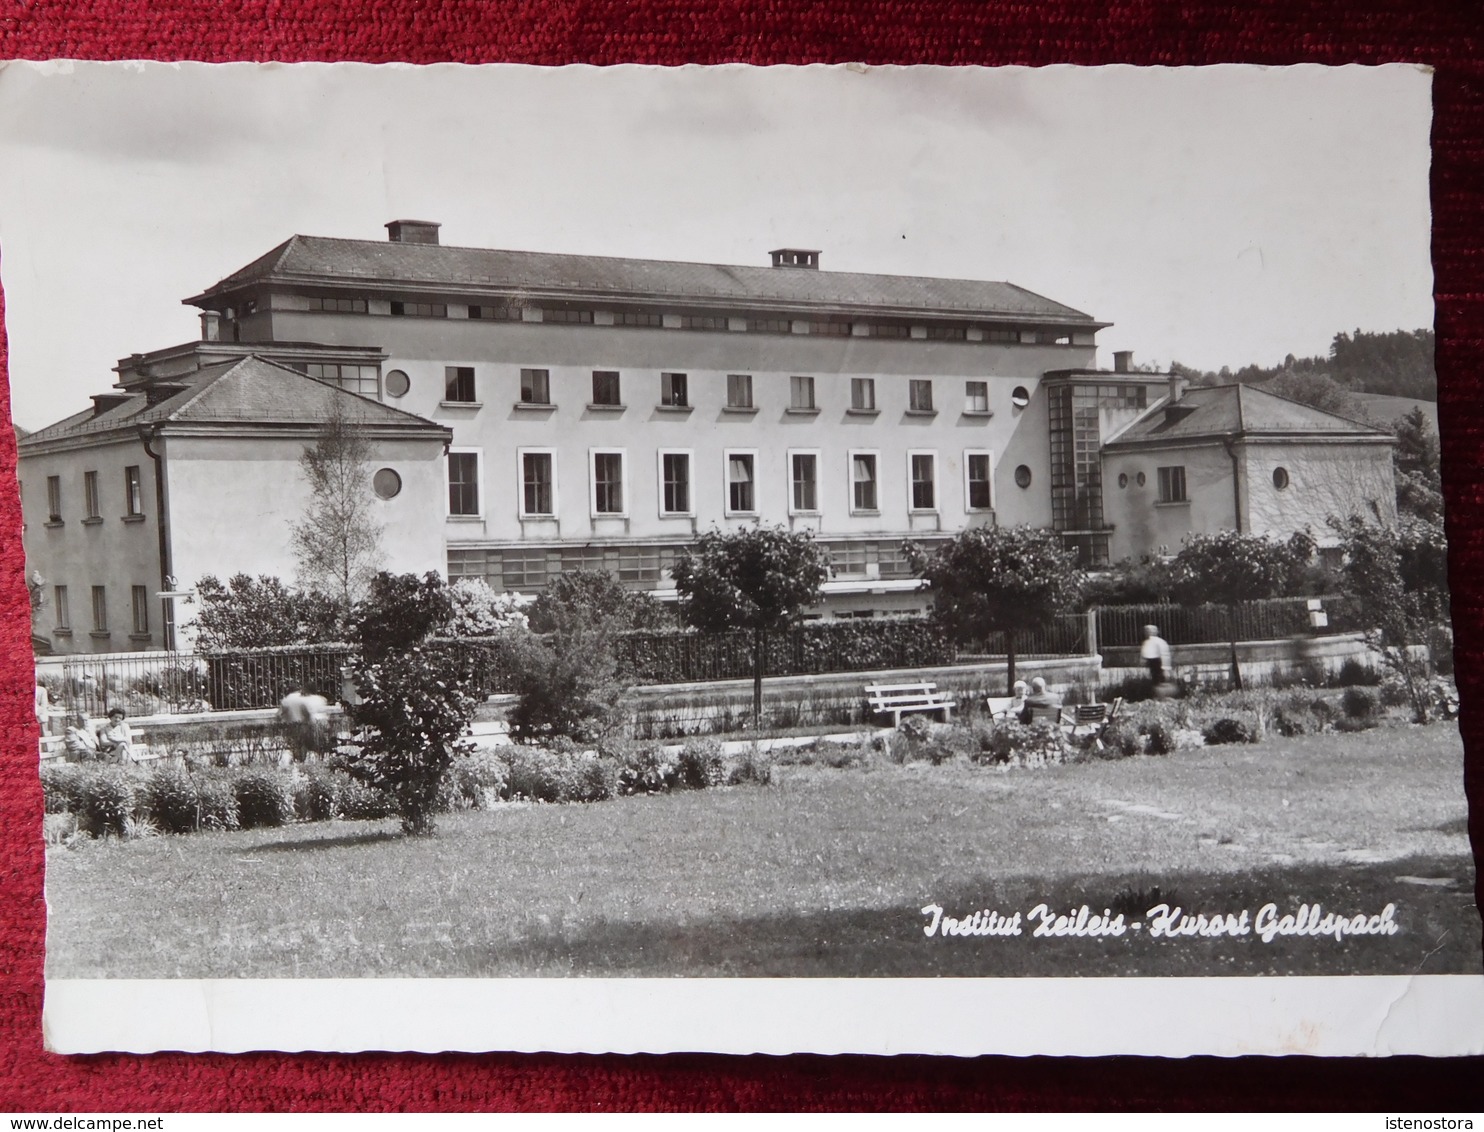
338	541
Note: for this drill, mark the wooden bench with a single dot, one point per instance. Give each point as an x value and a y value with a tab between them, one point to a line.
999	707
897	700
55	746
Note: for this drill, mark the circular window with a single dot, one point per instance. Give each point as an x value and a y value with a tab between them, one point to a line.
1122	479
1140	479
386	483
1280	478
1022	476
397	384
1020	397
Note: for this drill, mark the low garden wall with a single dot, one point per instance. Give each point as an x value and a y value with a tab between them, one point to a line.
1262	662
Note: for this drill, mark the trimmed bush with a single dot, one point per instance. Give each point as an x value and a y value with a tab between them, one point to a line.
474	781
264	798
1393	692
105	803
643	768
61	789
317	796
170	799
1348	724
1355	674
562	776
361	802
1122	740
1228	731
1158	738
1358	703
217	799
754	767
701	765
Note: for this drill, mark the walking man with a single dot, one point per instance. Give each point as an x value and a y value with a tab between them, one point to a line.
1155	653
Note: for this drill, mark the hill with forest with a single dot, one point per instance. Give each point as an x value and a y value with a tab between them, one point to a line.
1397	363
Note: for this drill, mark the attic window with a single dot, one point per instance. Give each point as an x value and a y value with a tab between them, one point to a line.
419	310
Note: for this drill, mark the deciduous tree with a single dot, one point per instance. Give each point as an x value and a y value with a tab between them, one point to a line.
757	579
1007	580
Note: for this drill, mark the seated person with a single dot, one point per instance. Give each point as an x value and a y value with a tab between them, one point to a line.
80	742
1048	702
113	739
1016	705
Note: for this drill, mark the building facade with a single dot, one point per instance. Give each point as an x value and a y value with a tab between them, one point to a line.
533	414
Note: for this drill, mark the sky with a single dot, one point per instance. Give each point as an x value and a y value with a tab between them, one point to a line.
1216	216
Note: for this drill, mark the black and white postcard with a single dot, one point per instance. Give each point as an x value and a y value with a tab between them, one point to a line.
832	559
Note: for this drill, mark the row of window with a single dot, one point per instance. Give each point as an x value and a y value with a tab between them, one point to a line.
139	607
608	479
92	496
531	568
460	387
827	327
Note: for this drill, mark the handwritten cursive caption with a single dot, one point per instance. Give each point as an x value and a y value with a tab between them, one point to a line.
1161	922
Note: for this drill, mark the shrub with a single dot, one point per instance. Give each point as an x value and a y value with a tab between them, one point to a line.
217	799
1158	738
1348	724
317	796
61	789
476	780
562	776
1358	703
359	801
1026	744
1323	710
1289	721
568	686
170	799
105	803
643	768
1122	740
1228	731
1393	692
1354	674
701	765
264	798
754	767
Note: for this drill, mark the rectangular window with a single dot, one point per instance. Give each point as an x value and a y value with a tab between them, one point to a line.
923	470
739	391
674	390
863	481
976	396
770	325
537	484
830	329
535	387
863	394
1001	334
90	494
504	311
64	611
803	473
741	488
458	384
566	316
133	490
523	569
947	333
100	609
608	483
920	395
978	485
703	322
139	599
355	378
675	483
335	305
1172	484
54	499
463	483
890	330
801	393
605	387
419	310
638	318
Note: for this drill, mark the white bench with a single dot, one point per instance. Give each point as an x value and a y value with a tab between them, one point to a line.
55	746
897	700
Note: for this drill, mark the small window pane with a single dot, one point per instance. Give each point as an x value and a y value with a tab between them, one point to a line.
458	383
805	482
674	390
536	483
463	483
920	395
740	496
801	392
863	393
535	387
608	483
739	390
976	396
676	473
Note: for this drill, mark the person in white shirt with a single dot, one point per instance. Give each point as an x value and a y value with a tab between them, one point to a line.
306	717
1155	653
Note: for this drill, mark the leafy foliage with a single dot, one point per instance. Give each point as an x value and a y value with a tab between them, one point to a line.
1398	363
415	707
1227	567
568	685
757	579
1419	468
1316	389
400	612
252	613
478	611
264	798
590	597
337	542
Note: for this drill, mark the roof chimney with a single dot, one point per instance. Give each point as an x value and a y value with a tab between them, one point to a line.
211	326
1177	387
412	231
1123	361
795	257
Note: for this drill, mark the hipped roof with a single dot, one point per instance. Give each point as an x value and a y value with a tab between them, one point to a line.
1225	411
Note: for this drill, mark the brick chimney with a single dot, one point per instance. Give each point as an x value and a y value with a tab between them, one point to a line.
412	231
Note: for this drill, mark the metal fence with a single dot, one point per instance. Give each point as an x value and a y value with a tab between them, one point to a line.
1270	620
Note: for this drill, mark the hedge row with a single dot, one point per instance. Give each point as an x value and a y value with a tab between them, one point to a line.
130	802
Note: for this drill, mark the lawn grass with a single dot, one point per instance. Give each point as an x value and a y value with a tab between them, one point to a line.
824	873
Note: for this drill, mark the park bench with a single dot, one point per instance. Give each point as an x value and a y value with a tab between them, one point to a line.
1094	718
999	707
897	700
55	746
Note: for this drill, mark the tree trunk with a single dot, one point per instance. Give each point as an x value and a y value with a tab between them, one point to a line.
1009	662
759	649
1231	631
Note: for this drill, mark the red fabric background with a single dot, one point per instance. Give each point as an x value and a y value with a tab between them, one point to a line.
1444	35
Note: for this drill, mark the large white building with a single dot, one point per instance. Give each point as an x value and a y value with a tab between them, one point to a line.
537	413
